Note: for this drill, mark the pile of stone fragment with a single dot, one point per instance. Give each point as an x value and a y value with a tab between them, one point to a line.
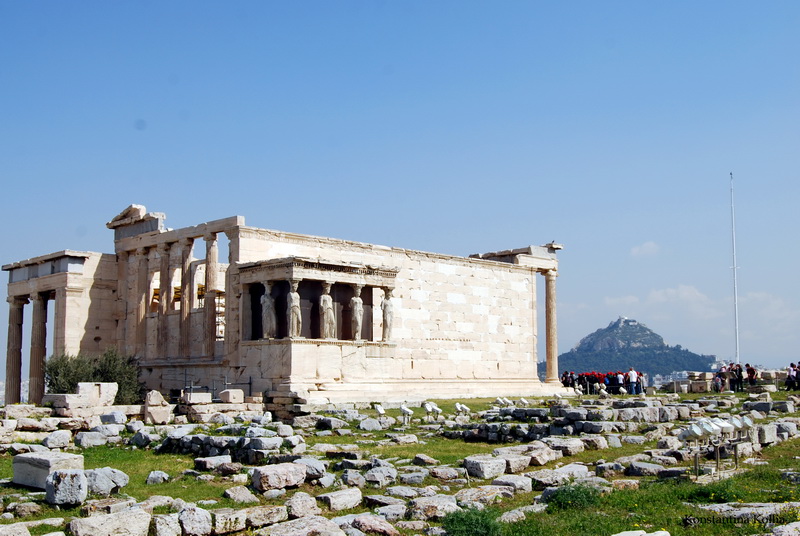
267	461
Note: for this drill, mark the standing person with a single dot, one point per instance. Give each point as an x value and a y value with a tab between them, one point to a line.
791	377
721	376
717	383
591	384
620	380
632	378
565	379
751	374
739	378
732	377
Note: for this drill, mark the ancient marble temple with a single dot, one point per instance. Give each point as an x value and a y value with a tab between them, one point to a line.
304	320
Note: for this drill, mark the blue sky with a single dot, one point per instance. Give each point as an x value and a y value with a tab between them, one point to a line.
456	127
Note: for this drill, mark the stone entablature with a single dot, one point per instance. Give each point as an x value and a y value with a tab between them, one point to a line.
66	261
319	270
315	318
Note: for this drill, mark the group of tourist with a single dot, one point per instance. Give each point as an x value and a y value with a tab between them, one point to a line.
590	382
733	376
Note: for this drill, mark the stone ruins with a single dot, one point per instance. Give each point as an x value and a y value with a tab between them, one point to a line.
303	320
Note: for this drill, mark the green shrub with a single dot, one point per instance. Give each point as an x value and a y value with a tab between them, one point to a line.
573	497
63	373
472	522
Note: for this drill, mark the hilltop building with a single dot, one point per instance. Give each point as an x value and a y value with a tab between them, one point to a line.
303	319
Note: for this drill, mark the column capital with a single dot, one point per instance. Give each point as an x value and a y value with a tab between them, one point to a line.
142	251
17	301
35	296
210	237
186	242
122	255
551	273
164	247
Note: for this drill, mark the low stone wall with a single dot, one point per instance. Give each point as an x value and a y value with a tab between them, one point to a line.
610	416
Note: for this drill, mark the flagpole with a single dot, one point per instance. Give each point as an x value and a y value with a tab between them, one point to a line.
735	283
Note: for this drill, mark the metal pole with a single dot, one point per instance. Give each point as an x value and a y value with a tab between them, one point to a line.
735	283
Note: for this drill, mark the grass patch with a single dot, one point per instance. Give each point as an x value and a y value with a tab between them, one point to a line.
447	451
574	497
472	522
137	464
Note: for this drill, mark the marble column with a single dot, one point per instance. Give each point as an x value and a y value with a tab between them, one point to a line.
121	308
142	295
212	267
164	299
551	330
294	315
356	312
327	319
187	293
387	307
14	353
60	322
38	348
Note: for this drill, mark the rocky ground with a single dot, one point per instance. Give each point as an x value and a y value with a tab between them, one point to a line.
334	473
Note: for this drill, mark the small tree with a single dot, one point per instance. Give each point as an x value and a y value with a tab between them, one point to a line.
63	373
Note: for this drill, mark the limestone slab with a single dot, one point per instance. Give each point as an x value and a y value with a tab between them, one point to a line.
133	522
31	469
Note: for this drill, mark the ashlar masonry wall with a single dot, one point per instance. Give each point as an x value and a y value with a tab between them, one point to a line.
462	327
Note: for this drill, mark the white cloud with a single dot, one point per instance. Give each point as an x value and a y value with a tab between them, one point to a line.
771	314
648	249
621	301
688	300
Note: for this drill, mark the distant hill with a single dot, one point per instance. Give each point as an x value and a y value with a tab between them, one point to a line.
627	343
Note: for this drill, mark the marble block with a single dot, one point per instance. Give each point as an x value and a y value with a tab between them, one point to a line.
232	396
32	468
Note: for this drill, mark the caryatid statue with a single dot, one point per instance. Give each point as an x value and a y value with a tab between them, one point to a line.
357	312
269	323
327	321
293	315
388	314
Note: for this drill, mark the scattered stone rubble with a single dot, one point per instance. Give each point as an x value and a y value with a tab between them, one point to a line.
270	460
